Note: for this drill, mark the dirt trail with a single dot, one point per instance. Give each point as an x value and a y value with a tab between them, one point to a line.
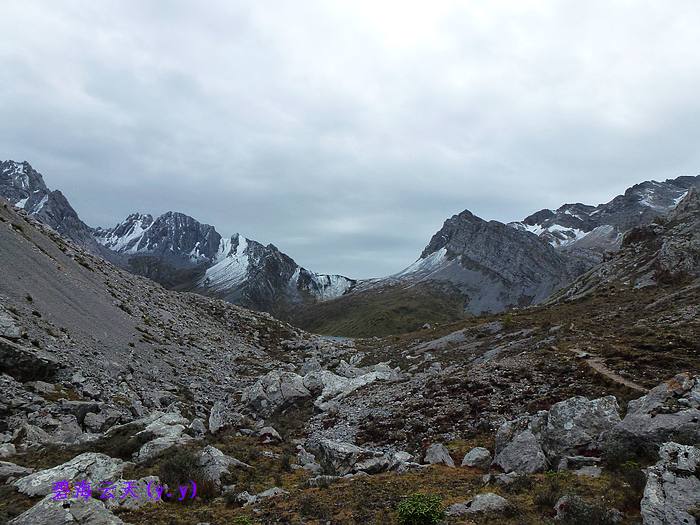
597	364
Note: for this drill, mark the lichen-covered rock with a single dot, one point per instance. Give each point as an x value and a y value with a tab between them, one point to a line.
673	487
81	512
10	470
140	488
274	390
338	458
437	453
90	466
478	457
222	415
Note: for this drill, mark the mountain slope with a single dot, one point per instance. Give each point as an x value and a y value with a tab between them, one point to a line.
590	231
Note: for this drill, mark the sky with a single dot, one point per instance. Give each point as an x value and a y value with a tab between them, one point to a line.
346	132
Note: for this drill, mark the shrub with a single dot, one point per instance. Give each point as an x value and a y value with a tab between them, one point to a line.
183	466
420	509
311	506
576	511
547	494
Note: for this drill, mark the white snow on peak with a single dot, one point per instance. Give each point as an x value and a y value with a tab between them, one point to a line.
329	286
126	243
41	204
677	200
425	265
21	203
231	265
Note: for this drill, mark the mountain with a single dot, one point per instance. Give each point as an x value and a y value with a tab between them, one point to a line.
183	254
24	187
591	402
590	231
177	251
667	251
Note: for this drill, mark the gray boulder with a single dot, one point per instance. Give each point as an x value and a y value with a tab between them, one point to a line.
81	512
437	453
487	503
673	487
7	450
8	326
222	416
12	471
338	458
523	454
273	391
169	430
669	411
478	457
215	463
90	466
141	489
269	435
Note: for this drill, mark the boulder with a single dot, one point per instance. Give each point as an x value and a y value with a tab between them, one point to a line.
274	390
169	430
81	512
578	424
487	503
222	416
89	466
436	454
669	411
10	471
197	427
215	464
523	455
478	457
27	363
8	327
338	458
102	420
140	488
673	487
7	450
269	435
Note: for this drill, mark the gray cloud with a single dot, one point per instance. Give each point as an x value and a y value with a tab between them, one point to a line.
346	132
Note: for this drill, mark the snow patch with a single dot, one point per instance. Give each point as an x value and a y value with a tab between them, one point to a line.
231	265
21	203
425	265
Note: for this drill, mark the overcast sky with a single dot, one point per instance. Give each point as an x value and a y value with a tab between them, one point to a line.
346	132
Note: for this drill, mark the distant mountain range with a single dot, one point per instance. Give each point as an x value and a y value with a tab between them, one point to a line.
487	265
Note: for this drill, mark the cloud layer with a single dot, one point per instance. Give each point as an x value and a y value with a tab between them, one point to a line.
346	132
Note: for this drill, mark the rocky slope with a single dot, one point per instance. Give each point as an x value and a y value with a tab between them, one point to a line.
590	231
107	376
177	251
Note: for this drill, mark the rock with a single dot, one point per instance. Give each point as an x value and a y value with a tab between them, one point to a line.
89	466
27	363
42	388
10	471
578	424
156	446
339	458
478	457
322	481
487	503
589	471
372	465
215	464
81	512
8	327
572	506
669	411
168	427
522	455
577	462
399	460
103	420
246	499
436	454
673	487
140	488
222	416
274	390
197	427
7	450
269	435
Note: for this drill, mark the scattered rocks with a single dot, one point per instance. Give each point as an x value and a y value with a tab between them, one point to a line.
478	457
90	466
437	453
673	487
273	391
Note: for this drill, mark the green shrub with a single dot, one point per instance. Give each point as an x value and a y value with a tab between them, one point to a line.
183	466
420	509
577	511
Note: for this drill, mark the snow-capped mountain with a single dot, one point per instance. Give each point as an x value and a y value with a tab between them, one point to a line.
592	230
24	187
180	252
493	265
